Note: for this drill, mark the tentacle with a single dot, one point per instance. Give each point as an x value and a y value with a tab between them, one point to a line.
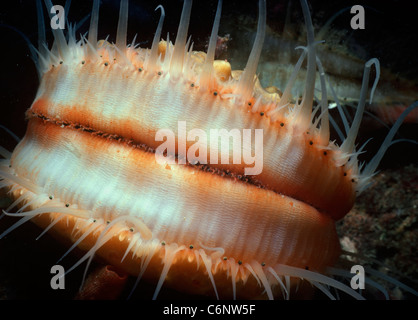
152	59
15	225
122	28
368	171
287	93
94	26
53	223
206	76
207	261
348	144
170	253
315	277
246	82
275	275
176	63
92	228
324	133
263	278
304	115
152	247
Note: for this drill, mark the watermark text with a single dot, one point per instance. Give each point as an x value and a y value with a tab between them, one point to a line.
240	143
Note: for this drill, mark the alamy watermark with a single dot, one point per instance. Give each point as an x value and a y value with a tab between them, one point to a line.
58	280
240	143
357	281
358	21
58	20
